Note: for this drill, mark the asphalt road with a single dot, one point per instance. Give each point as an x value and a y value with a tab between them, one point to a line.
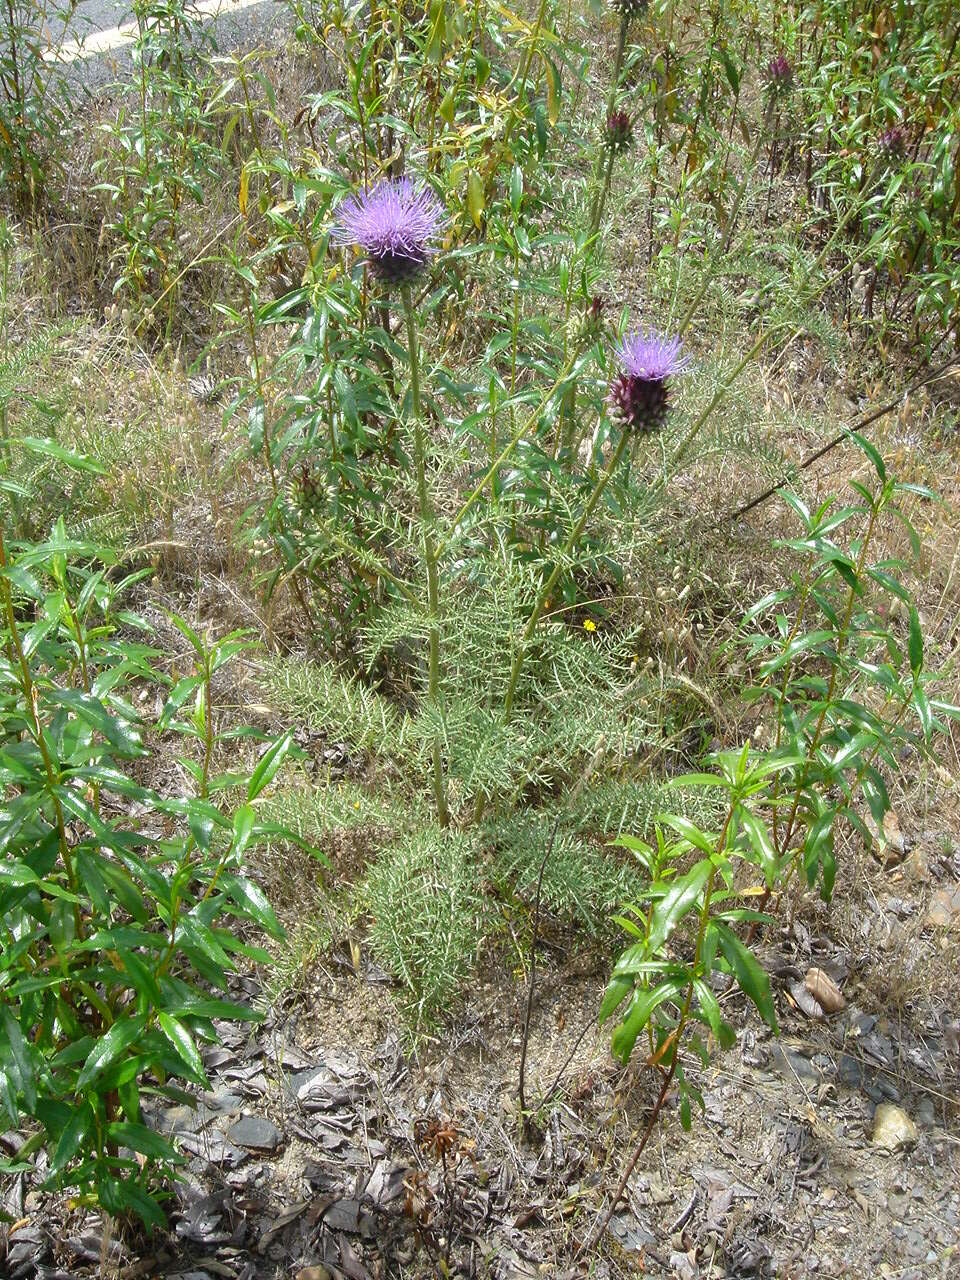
96	46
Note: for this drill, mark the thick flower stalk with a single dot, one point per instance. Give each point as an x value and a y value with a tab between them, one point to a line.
616	137
628	10
647	362
639	396
396	224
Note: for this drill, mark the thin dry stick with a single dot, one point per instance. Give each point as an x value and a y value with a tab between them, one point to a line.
866	421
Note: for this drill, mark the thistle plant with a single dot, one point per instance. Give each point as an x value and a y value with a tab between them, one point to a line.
628	10
638	400
616	137
396	225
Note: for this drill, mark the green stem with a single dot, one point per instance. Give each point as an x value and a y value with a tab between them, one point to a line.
527	425
601	200
611	103
429	552
548	586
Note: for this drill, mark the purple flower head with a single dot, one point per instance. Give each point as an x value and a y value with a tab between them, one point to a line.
779	75
640	394
395	223
618	133
893	142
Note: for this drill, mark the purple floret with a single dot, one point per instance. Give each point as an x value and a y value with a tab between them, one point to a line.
650	356
640	395
395	223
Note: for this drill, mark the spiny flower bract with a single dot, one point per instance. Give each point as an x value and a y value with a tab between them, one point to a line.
640	394
587	325
309	489
395	223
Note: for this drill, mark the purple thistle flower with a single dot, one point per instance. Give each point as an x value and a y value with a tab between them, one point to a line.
892	142
639	396
395	223
779	75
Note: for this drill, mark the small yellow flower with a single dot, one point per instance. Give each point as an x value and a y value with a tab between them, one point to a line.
589	624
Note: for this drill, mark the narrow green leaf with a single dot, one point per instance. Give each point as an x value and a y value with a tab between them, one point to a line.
183	1042
915	646
19	1058
682	895
269	764
750	976
645	1001
139	1138
760	842
73	1137
109	1047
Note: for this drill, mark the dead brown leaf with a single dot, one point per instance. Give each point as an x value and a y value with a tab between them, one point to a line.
824	990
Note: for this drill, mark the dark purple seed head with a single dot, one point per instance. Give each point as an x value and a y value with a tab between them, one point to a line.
618	132
779	76
639	396
395	224
892	142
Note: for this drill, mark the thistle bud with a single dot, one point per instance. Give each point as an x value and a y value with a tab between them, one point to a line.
588	326
618	132
892	143
309	489
779	76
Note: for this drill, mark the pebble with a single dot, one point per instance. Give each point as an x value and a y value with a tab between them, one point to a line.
255	1133
892	1128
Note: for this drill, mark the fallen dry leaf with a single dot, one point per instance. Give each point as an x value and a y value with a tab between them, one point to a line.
824	990
805	1001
